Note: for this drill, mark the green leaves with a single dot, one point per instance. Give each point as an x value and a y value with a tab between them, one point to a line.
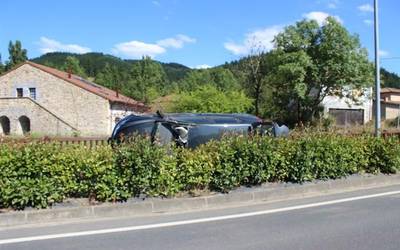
16	53
72	65
313	61
39	175
209	99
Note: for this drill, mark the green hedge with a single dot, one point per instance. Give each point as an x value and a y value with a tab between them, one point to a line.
39	175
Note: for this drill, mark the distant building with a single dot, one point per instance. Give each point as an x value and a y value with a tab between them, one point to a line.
347	112
46	101
390	103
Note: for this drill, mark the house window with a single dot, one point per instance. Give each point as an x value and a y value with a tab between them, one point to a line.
32	93
20	92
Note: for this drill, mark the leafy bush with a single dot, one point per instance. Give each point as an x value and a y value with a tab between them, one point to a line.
39	175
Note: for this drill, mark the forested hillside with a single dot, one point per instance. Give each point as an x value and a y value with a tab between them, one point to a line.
94	62
390	79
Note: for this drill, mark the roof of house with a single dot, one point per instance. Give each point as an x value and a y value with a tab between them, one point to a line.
92	87
390	90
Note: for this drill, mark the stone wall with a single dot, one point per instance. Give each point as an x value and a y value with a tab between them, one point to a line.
41	121
390	111
87	112
119	111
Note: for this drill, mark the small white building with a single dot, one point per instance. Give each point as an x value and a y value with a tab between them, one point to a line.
347	112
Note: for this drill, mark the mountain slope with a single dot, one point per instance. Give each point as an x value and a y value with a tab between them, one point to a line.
94	62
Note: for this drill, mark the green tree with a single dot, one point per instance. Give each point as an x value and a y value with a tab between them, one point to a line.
390	79
147	80
219	77
16	53
312	62
72	65
110	77
208	98
257	68
2	67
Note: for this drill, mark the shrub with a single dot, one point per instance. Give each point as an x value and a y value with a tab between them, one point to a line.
39	175
146	168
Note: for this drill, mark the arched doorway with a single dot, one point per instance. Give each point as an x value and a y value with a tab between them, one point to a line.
4	125
25	124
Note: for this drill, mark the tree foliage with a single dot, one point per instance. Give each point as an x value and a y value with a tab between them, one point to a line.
390	79
313	62
16	53
72	65
111	77
209	99
220	77
2	67
147	80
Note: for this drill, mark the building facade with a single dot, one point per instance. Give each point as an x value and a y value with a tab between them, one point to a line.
45	101
390	103
348	112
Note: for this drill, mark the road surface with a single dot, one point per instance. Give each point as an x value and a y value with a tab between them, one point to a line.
368	219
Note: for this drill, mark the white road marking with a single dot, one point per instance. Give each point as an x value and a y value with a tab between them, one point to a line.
194	221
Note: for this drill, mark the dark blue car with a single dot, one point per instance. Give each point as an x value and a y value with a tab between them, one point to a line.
191	130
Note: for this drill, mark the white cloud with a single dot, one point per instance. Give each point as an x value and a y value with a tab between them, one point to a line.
176	42
259	39
48	45
383	53
137	49
368	22
320	17
202	66
366	8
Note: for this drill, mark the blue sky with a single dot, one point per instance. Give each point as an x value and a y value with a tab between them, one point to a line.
194	33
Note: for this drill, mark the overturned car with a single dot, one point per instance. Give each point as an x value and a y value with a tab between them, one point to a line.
190	129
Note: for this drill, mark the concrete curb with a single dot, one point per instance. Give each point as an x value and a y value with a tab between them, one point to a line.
265	193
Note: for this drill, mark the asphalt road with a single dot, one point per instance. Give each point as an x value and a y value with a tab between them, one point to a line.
368	219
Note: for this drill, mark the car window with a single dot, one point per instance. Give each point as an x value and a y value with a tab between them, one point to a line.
163	135
143	129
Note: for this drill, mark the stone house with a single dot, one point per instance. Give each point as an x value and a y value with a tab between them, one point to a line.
46	101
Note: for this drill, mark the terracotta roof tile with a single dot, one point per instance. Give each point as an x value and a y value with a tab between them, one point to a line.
92	87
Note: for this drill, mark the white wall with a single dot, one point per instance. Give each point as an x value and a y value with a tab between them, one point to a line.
365	103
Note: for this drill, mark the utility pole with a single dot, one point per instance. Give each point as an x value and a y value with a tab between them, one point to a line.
377	74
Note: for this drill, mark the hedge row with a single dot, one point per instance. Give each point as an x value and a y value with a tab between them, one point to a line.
38	175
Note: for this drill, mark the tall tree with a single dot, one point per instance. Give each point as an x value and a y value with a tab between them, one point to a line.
147	80
314	61
257	67
72	65
110	77
16	53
